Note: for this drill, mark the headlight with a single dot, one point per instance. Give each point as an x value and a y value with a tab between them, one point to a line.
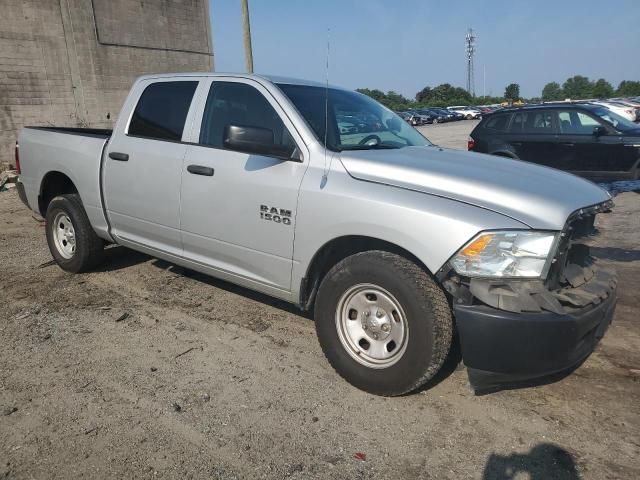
524	253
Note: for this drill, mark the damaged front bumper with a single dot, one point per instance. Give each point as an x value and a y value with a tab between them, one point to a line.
502	348
516	331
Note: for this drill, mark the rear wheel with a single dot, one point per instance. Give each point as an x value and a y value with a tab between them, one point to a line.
72	241
383	323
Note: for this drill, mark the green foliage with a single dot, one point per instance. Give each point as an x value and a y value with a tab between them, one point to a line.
578	87
552	91
439	96
512	92
391	99
628	88
602	89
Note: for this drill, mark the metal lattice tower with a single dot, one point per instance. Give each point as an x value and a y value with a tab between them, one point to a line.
470	42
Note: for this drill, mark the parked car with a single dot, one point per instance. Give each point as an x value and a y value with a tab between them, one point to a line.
436	117
411	118
624	111
422	117
446	114
635	106
386	237
466	112
585	139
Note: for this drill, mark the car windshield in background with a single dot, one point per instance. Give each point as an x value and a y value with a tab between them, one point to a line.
614	119
354	121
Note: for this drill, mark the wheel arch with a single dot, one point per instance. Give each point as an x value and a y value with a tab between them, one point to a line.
54	183
339	248
505	154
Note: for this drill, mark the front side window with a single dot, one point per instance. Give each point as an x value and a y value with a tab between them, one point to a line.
572	122
162	110
352	121
239	104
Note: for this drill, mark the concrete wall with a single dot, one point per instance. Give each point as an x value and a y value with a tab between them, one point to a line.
71	62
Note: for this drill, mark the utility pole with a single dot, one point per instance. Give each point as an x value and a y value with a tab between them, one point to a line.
248	53
470	43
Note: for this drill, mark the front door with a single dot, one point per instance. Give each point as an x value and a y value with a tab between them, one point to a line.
239	209
143	165
585	154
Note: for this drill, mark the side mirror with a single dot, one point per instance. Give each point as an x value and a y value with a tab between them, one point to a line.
257	140
599	131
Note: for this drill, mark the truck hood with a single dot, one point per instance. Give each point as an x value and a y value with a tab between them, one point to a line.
540	197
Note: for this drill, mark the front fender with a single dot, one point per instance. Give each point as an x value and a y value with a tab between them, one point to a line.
431	228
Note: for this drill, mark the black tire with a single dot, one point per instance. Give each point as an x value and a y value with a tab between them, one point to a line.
89	248
427	312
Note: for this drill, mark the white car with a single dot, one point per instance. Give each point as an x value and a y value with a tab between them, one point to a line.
623	110
468	112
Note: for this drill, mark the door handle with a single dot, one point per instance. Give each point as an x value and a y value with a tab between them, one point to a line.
568	144
121	157
200	170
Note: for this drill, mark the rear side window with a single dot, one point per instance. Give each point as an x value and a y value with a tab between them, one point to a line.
535	121
518	122
162	110
497	122
231	103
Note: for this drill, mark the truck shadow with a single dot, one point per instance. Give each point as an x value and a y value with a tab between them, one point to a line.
615	254
118	258
545	461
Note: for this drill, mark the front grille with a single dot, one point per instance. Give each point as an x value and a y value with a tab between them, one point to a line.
573	256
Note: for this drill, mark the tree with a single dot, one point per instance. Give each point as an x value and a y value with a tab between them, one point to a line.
578	87
512	92
628	88
552	91
602	89
423	95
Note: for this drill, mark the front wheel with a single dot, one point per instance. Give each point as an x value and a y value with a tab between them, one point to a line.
72	241
383	323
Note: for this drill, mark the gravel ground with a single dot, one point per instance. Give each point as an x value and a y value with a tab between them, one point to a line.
146	370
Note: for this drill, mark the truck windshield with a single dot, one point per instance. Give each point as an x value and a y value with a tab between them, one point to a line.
354	121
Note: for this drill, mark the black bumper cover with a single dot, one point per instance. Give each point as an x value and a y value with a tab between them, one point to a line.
502	349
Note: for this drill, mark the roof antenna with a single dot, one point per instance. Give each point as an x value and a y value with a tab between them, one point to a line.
326	111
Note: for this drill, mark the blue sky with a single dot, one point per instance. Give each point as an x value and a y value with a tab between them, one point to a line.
403	45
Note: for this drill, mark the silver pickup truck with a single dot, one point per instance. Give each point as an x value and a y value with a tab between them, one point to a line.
402	248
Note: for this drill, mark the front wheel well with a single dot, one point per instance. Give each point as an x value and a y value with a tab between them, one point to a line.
54	184
337	250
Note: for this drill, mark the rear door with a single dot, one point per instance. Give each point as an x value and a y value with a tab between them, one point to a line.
239	217
583	153
532	135
143	165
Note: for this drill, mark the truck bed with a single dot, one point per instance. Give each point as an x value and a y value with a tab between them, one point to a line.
74	152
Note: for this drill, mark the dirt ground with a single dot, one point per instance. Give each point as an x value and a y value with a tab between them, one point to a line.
206	380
